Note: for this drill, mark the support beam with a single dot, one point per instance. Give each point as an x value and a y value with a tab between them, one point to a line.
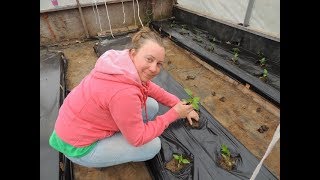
82	20
248	13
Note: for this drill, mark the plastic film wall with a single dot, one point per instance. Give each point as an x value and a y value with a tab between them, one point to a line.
265	16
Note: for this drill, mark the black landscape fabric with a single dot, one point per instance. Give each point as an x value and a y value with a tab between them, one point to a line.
201	144
246	71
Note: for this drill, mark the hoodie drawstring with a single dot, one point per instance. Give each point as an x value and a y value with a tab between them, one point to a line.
145	109
145	92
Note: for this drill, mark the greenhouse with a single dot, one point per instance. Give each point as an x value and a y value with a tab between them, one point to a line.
222	56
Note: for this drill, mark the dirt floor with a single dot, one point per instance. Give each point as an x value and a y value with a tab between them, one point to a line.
234	105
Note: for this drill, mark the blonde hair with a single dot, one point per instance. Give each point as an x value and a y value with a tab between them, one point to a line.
144	34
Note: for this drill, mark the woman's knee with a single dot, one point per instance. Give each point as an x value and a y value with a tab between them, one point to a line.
154	147
152	107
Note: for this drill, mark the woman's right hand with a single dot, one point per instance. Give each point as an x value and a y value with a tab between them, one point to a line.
183	109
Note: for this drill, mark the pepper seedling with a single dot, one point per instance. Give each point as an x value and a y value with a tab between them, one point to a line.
180	159
225	153
262	61
193	100
265	73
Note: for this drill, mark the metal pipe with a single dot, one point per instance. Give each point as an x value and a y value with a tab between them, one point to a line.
82	19
248	13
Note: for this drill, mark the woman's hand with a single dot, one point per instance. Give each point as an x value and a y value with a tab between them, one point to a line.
183	109
194	115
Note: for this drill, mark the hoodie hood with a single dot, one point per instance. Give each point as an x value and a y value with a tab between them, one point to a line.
119	65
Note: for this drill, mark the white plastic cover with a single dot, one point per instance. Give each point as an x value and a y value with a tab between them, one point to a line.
265	15
60	4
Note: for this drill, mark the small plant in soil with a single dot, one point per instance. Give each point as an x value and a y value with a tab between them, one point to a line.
183	31
235	58
226	161
198	39
260	54
211	47
236	50
264	76
263	61
177	163
214	40
194	101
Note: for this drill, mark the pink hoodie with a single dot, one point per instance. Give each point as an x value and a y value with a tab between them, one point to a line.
110	99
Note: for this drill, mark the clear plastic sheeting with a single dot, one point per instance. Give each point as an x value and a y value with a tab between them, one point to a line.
265	15
60	4
202	144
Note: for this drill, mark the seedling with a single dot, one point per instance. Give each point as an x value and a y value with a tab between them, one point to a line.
198	38
262	61
193	100
214	40
184	29
211	47
236	50
225	152
177	163
235	58
180	159
264	74
227	161
260	54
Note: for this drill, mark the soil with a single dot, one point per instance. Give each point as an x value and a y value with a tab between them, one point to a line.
174	166
233	104
263	128
227	163
127	171
195	124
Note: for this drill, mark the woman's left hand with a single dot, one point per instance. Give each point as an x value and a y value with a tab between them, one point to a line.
194	115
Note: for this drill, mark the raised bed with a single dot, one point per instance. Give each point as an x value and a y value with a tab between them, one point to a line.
249	58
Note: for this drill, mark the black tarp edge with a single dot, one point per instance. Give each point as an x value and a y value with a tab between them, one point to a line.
67	172
54	165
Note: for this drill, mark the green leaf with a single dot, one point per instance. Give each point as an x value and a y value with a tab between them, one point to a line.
196	99
185	161
189	92
176	156
265	73
225	150
195	106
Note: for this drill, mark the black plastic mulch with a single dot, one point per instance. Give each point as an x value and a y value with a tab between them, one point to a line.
218	54
202	145
52	93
